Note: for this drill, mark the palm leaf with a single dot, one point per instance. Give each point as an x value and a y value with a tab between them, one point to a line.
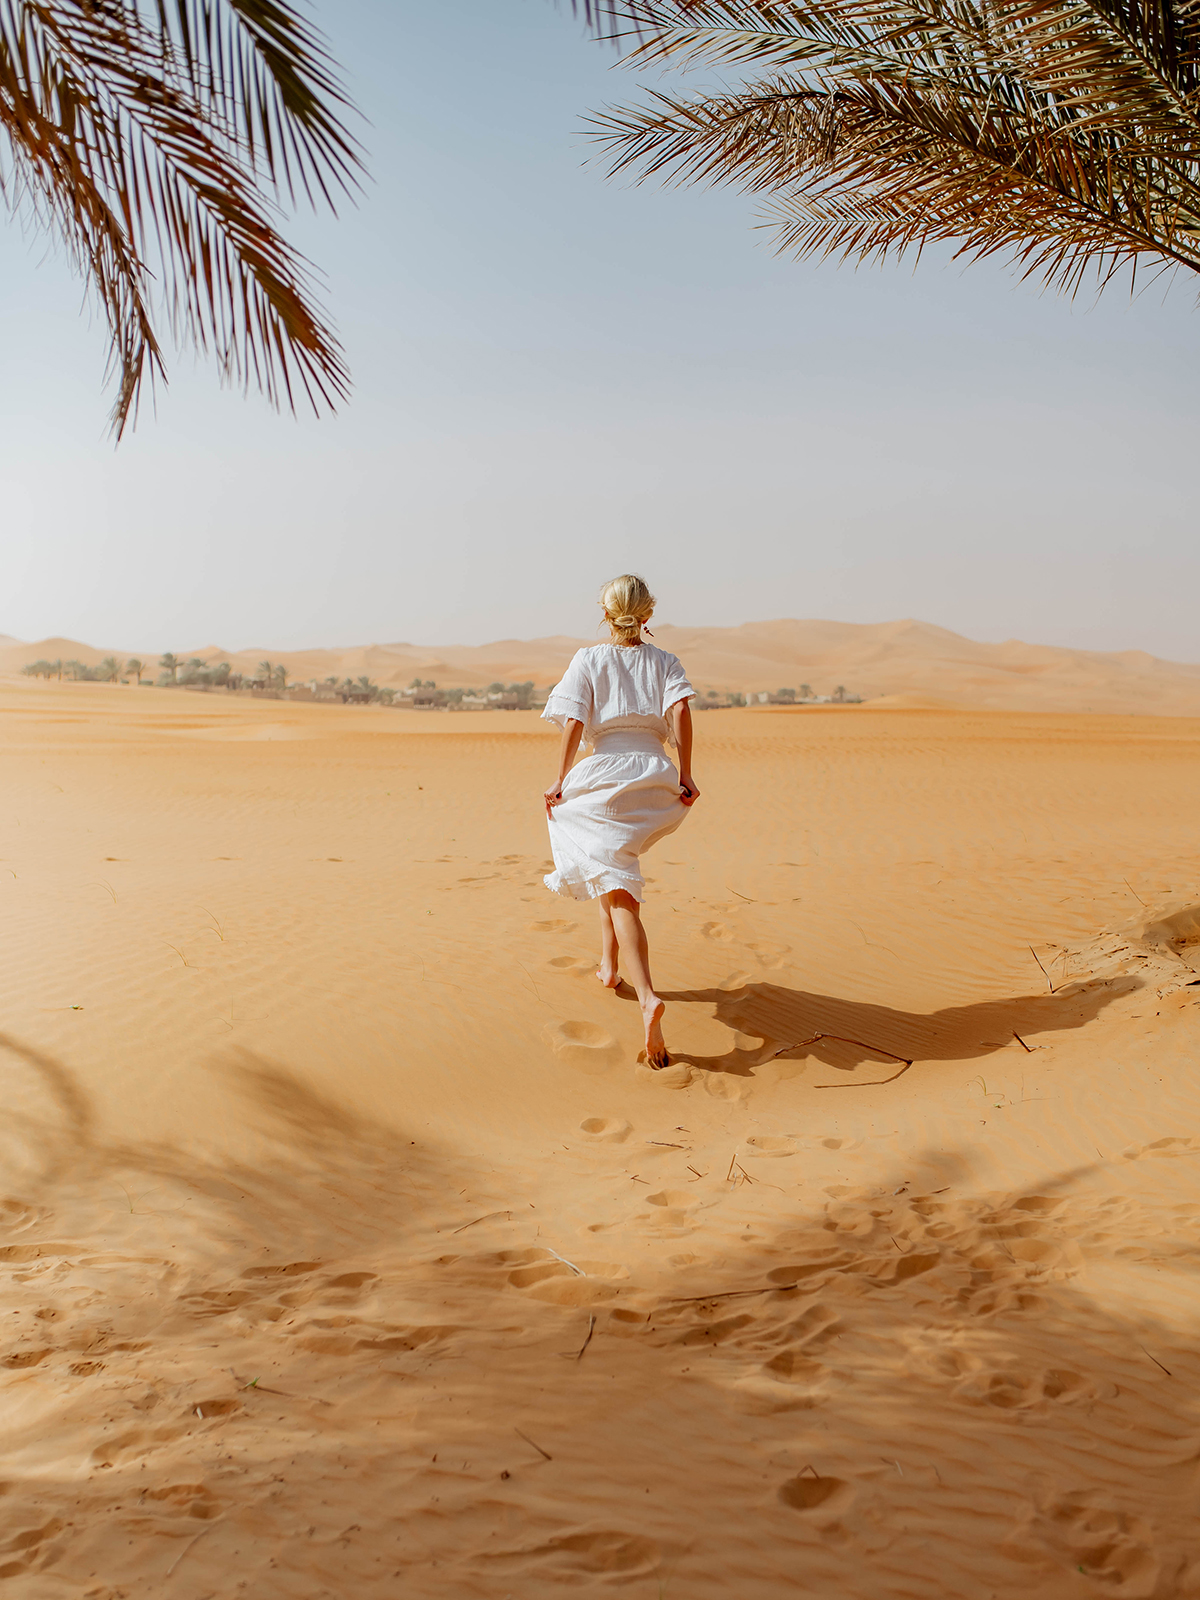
1062	133
154	144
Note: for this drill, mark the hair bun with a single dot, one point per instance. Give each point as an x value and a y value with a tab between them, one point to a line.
627	605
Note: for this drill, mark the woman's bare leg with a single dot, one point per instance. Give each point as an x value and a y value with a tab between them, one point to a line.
607	970
631	937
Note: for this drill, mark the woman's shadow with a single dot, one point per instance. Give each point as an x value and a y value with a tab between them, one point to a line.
847	1034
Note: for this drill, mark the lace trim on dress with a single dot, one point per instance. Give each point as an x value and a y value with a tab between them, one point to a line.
603	882
561	708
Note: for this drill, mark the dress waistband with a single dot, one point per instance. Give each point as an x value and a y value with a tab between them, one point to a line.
619	741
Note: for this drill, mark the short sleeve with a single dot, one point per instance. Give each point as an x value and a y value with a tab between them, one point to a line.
675	686
572	698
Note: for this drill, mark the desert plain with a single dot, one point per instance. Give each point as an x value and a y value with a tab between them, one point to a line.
348	1251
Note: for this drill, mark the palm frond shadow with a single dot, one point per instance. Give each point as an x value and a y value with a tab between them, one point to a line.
854	1342
845	1035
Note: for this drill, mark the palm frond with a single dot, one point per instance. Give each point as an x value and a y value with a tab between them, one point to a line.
1063	133
153	144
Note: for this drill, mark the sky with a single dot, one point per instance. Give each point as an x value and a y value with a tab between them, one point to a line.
559	376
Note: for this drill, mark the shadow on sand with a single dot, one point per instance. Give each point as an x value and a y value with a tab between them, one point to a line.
794	1024
888	1389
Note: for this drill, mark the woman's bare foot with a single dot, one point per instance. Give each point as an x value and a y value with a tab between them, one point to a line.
608	976
656	1047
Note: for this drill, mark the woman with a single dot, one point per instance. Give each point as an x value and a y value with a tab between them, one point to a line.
625	699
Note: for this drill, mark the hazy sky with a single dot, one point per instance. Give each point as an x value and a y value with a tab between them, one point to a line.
560	377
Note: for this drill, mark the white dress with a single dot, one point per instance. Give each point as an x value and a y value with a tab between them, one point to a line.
625	796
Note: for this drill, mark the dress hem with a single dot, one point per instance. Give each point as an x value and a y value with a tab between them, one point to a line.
591	888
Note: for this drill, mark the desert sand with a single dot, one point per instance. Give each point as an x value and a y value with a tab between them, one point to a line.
348	1252
915	661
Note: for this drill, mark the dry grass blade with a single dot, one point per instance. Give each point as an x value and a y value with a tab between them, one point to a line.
535	1446
838	1038
1038	959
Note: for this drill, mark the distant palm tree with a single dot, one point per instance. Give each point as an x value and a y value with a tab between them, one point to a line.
170	663
136	667
266	670
156	141
111	668
280	674
1064	136
75	668
56	666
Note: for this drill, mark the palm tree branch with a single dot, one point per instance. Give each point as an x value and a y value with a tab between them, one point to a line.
268	71
109	137
918	166
1118	60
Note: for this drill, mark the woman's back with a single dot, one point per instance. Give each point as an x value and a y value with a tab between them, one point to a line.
610	686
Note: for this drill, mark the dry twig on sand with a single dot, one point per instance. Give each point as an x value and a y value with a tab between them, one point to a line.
862	1045
1038	959
185	1550
482	1219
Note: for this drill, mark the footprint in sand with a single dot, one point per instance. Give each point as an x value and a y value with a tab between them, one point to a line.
792	1366
548	927
766	1144
677	1076
807	1492
577	966
189	1499
1102	1543
15	1215
27	1545
25	1358
613	1130
735	980
582	1044
218	1407
290	1269
769	953
1162	1147
716	930
547	1276
569	1559
722	1086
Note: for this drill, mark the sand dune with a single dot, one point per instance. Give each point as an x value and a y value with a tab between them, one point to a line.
347	1251
914	660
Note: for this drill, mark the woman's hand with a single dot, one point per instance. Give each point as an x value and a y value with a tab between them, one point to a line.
571	734
689	793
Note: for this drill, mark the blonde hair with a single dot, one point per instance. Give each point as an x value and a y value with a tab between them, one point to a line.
627	604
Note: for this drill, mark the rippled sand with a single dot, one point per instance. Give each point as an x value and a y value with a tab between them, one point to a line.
348	1252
